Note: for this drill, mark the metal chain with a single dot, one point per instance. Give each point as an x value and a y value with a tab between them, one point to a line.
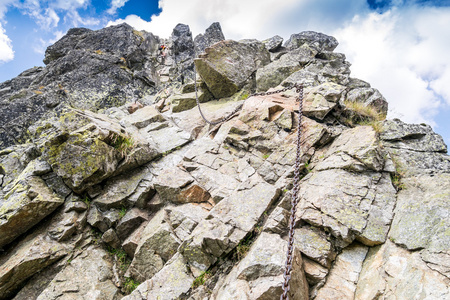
294	200
296	186
238	108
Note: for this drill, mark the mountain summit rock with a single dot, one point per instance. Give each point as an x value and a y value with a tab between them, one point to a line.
112	185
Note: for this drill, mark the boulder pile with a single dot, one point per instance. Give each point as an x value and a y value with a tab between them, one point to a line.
112	186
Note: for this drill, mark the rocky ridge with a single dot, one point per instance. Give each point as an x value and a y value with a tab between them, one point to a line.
114	187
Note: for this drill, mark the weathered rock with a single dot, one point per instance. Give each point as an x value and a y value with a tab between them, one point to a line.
86	69
96	151
315	272
98	285
187	101
229	221
144	116
132	108
132	219
274	73
119	188
213	34
167	139
47	244
171	182
315	40
274	43
392	272
348	204
278	221
131	243
314	244
356	149
30	256
96	219
259	274
422	219
343	277
26	204
301	77
172	282
110	237
416	137
329	66
157	245
320	100
68	222
226	66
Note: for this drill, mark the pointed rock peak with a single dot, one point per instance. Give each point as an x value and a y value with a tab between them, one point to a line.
316	40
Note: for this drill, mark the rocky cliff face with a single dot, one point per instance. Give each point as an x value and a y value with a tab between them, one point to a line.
114	187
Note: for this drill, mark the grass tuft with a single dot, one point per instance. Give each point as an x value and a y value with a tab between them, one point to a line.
124	143
360	114
130	285
200	280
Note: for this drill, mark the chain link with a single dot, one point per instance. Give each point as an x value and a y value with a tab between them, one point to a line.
296	185
239	107
294	200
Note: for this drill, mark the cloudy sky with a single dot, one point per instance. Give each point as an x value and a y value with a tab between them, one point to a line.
400	47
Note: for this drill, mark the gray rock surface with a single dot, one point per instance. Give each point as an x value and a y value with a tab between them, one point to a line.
274	43
395	273
213	34
317	41
227	65
122	185
85	69
68	283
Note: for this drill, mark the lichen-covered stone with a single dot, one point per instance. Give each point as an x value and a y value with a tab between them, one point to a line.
26	204
274	73
356	149
343	277
348	204
422	217
156	246
229	221
391	271
316	40
98	285
259	274
314	244
227	65
173	281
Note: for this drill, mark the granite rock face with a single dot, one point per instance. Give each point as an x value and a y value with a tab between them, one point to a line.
123	191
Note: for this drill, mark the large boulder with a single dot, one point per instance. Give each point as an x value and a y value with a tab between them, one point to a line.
91	147
226	66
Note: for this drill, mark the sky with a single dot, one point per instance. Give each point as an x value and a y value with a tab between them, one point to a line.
400	47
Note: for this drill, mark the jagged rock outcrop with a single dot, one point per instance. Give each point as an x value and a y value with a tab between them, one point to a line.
126	200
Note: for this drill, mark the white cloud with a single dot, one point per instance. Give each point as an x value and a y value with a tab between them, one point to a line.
403	53
4	4
115	5
42	44
6	50
69	4
248	19
74	18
